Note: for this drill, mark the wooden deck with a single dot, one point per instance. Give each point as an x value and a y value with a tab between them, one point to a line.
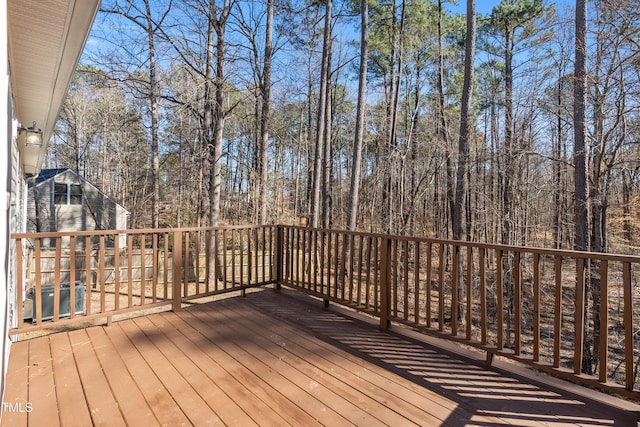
276	359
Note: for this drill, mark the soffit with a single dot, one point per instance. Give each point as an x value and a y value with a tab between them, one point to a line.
46	38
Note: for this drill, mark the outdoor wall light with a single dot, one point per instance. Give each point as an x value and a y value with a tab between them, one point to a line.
33	135
32	146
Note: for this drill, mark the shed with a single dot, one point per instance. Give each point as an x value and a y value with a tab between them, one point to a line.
60	200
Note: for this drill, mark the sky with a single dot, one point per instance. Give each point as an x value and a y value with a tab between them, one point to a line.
482	6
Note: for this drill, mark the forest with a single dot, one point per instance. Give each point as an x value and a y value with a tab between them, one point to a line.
362	115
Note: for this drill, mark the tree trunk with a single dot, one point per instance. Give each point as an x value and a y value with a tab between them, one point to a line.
320	131
579	145
153	101
465	124
463	143
356	164
580	155
265	116
327	157
508	219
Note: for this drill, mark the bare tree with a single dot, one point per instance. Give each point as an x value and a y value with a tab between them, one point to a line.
140	13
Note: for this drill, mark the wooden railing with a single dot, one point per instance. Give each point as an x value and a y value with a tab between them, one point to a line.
573	314
536	306
115	272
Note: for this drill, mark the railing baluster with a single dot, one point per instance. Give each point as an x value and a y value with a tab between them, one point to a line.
56	280
240	258
499	301
604	321
342	267
305	259
356	287
296	260
233	257
441	289
370	243
336	258
517	312
286	253
454	289
376	272
394	276
177	271
20	297
264	253
143	269
130	270
330	256
536	307
579	316
483	295
628	326
154	267
557	323
320	254
351	271
165	296
385	291
280	247
101	275
38	291
116	272
427	287
469	290
198	239
405	287
72	277
416	282
251	239
88	278
225	257
209	255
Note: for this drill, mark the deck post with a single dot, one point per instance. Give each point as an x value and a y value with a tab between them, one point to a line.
177	271
277	257
385	280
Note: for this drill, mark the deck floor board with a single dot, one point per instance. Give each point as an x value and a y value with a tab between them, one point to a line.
16	387
100	400
72	406
273	359
131	402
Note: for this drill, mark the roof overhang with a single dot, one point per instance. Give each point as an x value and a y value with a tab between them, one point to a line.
46	39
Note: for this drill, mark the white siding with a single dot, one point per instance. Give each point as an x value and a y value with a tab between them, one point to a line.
5	203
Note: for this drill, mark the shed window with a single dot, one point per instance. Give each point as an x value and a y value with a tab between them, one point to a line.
67	194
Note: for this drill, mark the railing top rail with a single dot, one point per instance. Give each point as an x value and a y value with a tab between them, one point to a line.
47	235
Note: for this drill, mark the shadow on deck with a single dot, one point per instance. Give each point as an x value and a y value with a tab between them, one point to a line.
279	359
